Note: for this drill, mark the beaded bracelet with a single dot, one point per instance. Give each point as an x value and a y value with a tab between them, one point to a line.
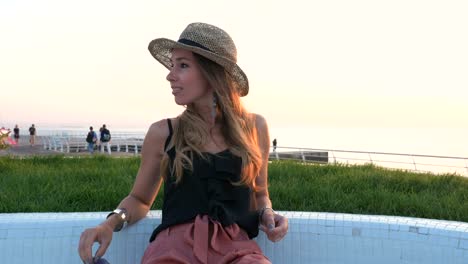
262	211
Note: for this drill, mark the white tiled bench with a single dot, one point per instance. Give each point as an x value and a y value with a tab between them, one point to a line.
312	238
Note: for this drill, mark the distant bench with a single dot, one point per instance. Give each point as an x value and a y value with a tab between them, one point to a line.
74	144
312	238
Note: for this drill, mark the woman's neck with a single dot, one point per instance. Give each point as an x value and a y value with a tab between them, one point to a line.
209	114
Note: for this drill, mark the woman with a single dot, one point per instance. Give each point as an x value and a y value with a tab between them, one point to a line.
213	159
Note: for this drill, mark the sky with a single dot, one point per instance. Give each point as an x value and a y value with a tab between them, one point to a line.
335	63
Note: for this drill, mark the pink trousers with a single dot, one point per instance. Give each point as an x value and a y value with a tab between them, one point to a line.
203	241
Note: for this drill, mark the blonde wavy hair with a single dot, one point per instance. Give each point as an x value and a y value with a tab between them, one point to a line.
238	129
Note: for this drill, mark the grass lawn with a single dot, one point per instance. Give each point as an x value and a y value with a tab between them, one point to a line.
62	184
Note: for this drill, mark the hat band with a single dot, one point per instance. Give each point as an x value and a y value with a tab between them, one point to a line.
192	43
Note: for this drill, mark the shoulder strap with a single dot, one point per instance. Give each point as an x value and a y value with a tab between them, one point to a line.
168	139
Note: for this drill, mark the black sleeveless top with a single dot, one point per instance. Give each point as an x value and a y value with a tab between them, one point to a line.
207	190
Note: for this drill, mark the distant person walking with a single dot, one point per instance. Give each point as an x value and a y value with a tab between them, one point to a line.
32	135
91	138
16	135
99	141
274	144
105	138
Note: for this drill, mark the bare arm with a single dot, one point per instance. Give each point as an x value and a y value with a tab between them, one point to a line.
273	224
263	137
148	179
139	201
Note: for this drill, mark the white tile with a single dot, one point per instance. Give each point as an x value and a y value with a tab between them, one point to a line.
323	237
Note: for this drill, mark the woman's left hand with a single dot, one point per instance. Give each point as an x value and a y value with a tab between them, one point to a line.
274	225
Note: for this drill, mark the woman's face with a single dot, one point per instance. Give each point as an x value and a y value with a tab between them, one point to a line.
187	81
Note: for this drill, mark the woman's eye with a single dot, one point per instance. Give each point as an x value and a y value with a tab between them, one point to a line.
180	65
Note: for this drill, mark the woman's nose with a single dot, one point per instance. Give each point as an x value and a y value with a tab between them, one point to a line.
170	76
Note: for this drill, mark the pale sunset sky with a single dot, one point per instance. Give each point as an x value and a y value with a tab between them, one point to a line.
338	63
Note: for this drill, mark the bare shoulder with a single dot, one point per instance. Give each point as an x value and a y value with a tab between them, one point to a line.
260	123
158	129
263	135
157	134
161	127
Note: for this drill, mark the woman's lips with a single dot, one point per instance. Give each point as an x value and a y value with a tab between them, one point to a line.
176	90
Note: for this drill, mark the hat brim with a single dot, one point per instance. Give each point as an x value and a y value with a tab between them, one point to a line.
161	50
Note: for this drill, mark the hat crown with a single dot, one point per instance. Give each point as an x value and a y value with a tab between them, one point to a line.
212	38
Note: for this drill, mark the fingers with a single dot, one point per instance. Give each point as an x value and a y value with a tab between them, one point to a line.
104	244
282	222
268	220
85	246
280	227
87	239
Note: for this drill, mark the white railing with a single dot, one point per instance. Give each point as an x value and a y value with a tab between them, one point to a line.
132	143
411	162
74	142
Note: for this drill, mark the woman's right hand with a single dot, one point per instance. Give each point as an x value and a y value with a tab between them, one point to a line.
101	234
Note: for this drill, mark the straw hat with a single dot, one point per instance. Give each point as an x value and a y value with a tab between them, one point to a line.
208	41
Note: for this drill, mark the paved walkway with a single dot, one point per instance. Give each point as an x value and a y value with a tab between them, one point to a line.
25	149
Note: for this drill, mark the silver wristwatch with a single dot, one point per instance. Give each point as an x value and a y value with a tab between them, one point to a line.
122	213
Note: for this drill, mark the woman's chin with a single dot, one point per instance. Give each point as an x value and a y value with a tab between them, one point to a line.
180	102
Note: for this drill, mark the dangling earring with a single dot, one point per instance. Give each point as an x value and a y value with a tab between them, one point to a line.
215	104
